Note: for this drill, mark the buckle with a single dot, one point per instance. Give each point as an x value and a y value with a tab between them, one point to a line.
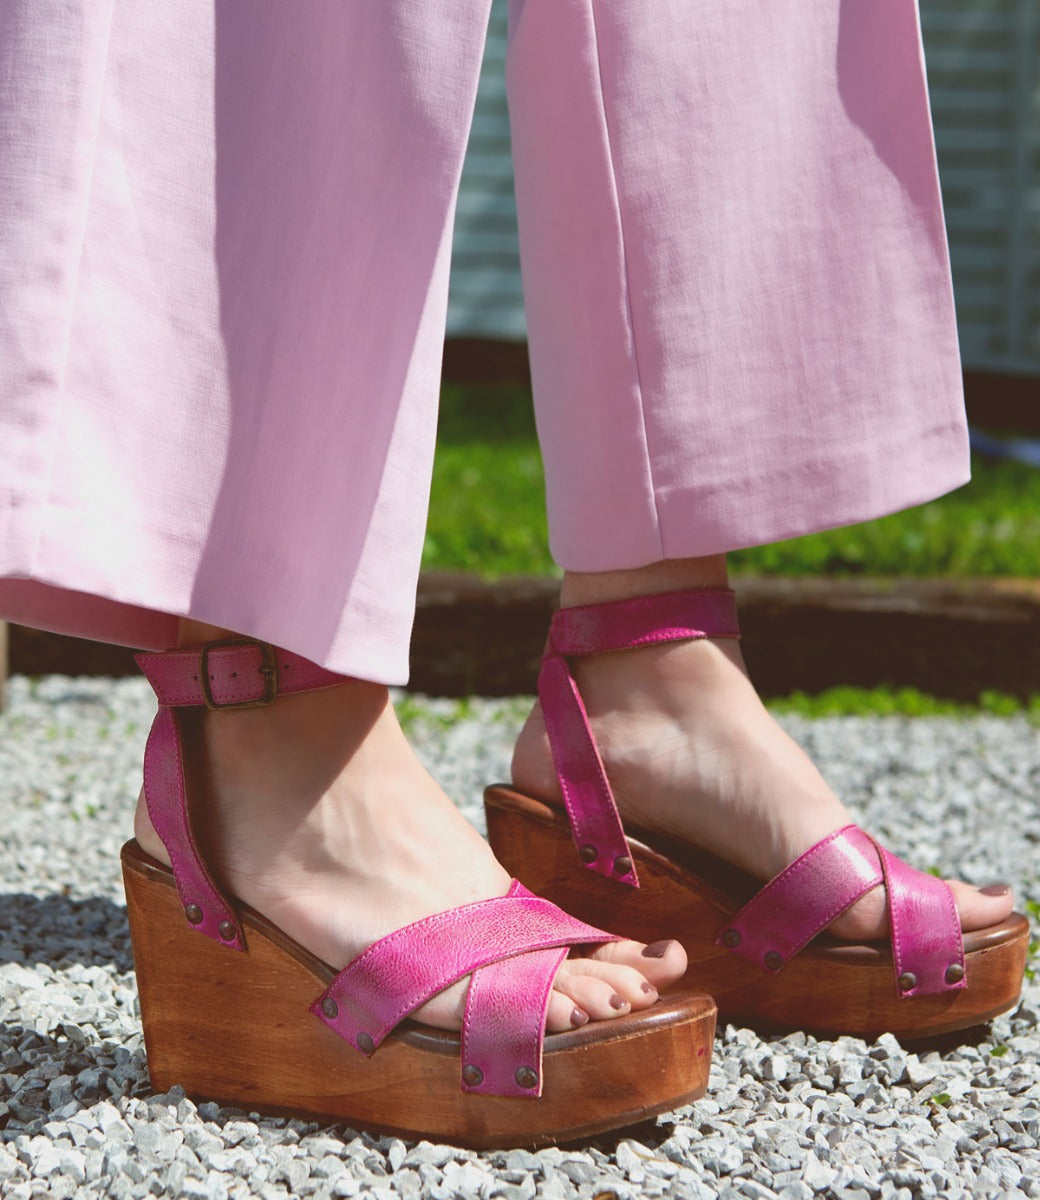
268	670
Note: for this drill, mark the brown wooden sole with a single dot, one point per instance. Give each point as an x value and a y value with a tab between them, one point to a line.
830	988
235	1027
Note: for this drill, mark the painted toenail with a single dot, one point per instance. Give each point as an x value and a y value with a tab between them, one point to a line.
579	1017
657	949
996	889
648	988
618	1002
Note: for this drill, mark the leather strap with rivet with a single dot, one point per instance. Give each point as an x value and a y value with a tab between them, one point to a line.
221	675
593	629
800	902
511	948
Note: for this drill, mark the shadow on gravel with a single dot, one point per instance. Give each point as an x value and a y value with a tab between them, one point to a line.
58	931
651	1133
63	1069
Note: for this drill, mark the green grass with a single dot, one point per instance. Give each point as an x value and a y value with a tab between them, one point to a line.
900	702
488	516
487	509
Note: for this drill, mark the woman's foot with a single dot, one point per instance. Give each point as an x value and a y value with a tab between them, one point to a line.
316	812
692	752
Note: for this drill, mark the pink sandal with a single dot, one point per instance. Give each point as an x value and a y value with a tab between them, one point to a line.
762	952
234	1010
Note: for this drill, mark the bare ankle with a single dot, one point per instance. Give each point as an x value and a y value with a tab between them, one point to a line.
667	575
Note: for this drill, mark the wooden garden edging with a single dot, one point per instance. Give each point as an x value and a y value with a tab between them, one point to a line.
950	638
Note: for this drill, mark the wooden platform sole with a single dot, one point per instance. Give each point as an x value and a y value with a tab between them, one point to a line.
828	989
235	1027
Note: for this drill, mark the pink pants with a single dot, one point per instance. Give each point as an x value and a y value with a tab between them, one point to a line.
224	247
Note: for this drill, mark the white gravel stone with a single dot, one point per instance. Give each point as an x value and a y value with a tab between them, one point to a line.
791	1117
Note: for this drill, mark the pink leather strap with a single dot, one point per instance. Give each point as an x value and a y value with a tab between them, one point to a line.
503	1029
204	905
221	675
233	674
593	629
491	940
800	902
927	944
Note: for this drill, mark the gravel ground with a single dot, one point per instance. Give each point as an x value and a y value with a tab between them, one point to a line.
792	1117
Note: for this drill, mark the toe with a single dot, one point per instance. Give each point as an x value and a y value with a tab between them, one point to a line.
610	988
661	963
982	907
563	1013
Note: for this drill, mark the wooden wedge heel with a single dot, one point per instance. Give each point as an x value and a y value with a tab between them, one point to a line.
236	1011
762	951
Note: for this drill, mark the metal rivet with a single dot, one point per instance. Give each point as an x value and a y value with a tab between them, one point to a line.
773	960
954	973
622	865
193	913
526	1077
330	1008
588	854
227	930
365	1043
907	981
472	1076
731	938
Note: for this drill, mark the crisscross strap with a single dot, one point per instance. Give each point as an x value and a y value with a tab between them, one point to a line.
593	629
800	902
221	675
511	947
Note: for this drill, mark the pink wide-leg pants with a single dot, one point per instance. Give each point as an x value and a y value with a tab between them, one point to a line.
224	248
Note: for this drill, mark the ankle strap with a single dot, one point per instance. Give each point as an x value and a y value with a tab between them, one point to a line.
234	674
219	675
592	629
626	624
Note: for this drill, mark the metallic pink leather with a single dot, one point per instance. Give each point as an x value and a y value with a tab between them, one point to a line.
503	1029
230	674
512	946
803	899
204	906
593	629
927	945
800	902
